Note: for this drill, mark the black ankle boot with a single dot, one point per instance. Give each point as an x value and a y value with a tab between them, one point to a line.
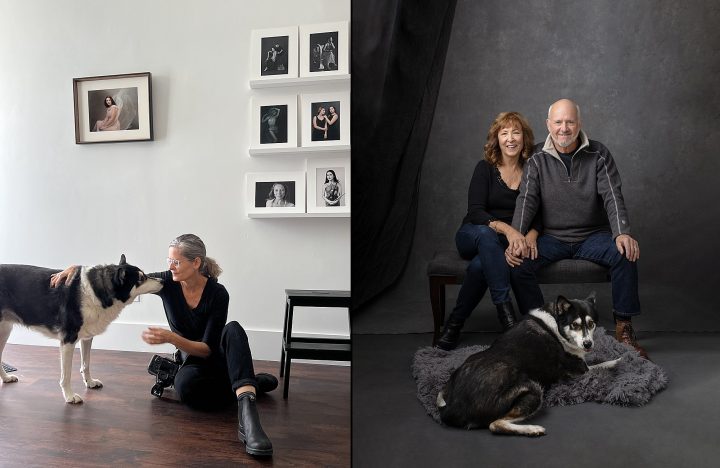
266	382
249	429
450	336
506	315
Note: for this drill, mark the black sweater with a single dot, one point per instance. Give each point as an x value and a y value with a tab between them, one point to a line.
489	199
203	323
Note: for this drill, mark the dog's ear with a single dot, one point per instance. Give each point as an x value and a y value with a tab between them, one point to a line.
122	259
562	305
591	298
119	276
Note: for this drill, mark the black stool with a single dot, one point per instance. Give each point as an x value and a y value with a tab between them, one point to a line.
328	349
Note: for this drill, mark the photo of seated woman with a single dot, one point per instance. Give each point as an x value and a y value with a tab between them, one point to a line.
113	109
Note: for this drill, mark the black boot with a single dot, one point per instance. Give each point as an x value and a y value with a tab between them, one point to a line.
506	315
266	382
249	429
451	335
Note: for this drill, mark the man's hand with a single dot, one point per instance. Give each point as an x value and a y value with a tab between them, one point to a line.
628	247
531	241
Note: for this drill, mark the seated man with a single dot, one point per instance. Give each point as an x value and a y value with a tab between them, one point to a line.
575	183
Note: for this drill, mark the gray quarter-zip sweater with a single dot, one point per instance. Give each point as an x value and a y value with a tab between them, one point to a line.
575	202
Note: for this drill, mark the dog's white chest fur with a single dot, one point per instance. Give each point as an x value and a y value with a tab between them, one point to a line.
96	319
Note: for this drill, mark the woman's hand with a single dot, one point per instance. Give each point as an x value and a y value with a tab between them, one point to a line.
157	335
66	275
516	242
531	242
512	259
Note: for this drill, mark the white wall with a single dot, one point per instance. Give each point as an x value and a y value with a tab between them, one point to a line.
62	203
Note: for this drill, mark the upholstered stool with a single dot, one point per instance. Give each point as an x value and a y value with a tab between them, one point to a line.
447	267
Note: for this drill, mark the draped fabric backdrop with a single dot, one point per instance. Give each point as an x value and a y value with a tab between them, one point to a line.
398	56
651	96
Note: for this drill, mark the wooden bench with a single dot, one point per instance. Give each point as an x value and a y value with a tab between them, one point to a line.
447	267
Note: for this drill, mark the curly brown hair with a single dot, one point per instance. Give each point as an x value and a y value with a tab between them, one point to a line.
508	119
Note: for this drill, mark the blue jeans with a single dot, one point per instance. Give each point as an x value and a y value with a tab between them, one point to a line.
486	251
598	248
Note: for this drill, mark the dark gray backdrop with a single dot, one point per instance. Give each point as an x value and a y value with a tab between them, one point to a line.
645	74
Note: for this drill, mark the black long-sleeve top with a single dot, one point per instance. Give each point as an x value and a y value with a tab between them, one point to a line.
203	323
489	199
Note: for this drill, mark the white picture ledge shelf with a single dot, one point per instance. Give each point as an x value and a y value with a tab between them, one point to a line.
307	151
299	215
304	81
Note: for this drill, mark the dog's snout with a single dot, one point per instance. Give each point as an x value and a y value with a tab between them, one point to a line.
587	344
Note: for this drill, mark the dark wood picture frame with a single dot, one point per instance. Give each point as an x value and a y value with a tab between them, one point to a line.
113	108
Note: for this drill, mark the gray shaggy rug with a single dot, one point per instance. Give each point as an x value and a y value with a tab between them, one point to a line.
632	382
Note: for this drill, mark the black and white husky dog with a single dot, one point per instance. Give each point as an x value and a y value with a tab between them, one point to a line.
503	385
72	312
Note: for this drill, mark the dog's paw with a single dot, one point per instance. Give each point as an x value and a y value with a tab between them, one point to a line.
614	363
93	383
606	364
9	379
533	431
74	399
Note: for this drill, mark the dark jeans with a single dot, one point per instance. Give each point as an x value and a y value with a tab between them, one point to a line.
487	270
598	248
211	383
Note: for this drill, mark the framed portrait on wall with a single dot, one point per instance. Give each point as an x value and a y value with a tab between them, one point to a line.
274	122
275	193
274	53
324	49
113	108
325	119
328	185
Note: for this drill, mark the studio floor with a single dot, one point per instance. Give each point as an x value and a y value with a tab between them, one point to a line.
678	428
122	424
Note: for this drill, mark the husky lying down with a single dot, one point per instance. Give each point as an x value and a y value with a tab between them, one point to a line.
503	385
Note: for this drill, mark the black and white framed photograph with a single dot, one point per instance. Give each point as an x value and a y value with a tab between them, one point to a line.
274	122
274	53
275	193
324	49
325	119
113	108
328	185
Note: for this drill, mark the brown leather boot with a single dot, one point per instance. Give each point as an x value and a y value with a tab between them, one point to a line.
624	333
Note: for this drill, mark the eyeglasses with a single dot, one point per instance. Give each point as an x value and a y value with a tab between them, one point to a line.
173	261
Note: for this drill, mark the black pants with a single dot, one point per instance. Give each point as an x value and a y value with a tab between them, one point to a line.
211	383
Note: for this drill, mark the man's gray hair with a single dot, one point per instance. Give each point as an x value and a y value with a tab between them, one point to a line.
577	108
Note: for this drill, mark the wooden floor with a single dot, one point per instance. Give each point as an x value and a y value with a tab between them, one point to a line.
122	424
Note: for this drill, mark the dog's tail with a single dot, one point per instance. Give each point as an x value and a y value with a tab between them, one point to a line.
440	402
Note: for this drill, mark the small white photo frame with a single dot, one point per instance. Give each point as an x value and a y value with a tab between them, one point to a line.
274	53
325	119
324	49
274	122
275	193
328	185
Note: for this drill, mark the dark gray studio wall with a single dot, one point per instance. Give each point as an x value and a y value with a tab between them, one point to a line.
645	74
